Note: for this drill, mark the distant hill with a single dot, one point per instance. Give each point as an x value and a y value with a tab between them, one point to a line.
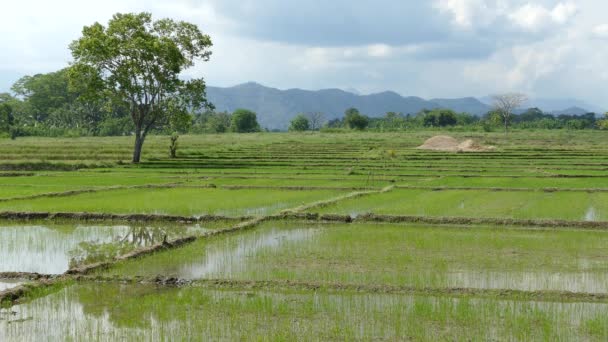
556	106
276	107
466	104
571	111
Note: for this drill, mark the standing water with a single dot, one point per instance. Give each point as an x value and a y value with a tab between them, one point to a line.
591	214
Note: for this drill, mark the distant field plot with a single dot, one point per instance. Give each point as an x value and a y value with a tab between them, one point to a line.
404	255
175	201
576	206
521	182
60	182
300	181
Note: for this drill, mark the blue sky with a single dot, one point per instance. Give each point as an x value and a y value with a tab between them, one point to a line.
431	48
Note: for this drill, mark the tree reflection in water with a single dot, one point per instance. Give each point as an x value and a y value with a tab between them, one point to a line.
137	236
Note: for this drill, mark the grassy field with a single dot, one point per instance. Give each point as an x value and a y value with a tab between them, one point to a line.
263	275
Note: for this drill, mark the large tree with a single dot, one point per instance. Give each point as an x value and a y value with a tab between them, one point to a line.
6	117
354	120
244	121
505	104
299	124
138	61
316	120
49	99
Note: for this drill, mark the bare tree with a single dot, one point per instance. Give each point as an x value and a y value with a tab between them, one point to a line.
505	104
315	120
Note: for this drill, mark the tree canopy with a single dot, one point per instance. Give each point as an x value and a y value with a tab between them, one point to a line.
505	104
6	117
440	118
299	124
137	62
354	120
244	121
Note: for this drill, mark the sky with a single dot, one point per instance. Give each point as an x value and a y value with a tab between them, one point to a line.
427	48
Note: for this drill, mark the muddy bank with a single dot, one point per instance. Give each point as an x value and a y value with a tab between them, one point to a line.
499	189
273	285
25	275
103	189
483	221
297	188
328	202
45	166
26	216
16	294
16	174
460	221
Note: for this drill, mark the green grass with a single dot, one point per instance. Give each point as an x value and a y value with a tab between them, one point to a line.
174	201
531	183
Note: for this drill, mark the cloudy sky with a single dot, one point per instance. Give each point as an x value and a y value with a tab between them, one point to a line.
428	48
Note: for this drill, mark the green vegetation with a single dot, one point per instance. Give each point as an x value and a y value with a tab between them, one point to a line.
302	280
354	120
244	121
137	62
299	124
174	201
440	118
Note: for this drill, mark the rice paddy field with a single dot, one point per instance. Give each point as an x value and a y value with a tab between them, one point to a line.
305	237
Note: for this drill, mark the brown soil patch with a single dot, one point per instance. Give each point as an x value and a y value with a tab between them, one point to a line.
449	144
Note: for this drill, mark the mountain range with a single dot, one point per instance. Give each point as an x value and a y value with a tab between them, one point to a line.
275	108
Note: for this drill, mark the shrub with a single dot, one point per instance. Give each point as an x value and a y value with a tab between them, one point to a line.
244	121
299	124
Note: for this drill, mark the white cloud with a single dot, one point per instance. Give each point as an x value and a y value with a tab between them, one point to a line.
601	31
563	12
379	50
463	48
531	16
467	13
521	68
534	17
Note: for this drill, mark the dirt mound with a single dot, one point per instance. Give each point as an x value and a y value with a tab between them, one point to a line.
440	143
471	145
449	144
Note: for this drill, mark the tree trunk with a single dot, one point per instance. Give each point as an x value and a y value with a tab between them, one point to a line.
506	126
139	143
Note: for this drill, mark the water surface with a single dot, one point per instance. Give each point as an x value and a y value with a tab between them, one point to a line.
52	249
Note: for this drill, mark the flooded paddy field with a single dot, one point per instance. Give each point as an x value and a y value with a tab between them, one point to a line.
138	312
264	237
54	248
389	254
575	206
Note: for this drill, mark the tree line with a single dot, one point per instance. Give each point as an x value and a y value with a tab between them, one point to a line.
532	118
50	105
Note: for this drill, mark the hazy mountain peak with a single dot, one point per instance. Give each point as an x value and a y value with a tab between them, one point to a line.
277	107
